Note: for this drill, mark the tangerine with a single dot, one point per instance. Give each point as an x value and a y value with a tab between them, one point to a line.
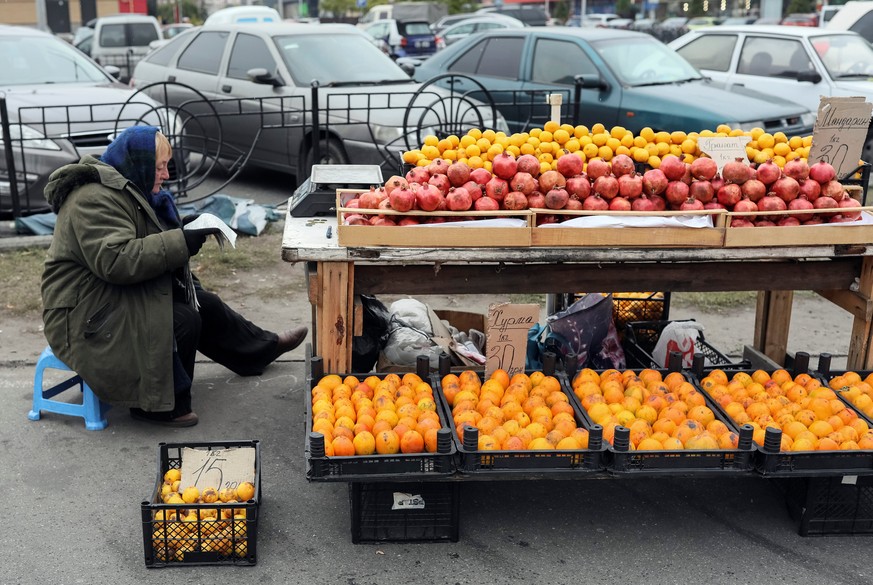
387	442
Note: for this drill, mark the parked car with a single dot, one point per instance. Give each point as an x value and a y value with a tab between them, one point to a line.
465	28
120	40
734	20
267	71
243	15
856	17
451	19
644	25
702	21
827	13
590	20
810	19
404	38
671	28
625	23
61	105
629	79
530	14
171	30
799	63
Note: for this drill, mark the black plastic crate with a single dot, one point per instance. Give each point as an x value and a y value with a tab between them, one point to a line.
220	534
546	462
404	511
831	505
629	307
320	467
641	337
622	460
826	375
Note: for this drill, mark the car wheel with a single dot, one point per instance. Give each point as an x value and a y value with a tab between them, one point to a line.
330	152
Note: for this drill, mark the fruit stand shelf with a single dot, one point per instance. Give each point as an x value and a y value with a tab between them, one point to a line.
841	273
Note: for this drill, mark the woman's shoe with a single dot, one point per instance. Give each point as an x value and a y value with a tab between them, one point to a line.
163	418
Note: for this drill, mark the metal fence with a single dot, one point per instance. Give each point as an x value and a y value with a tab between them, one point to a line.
218	138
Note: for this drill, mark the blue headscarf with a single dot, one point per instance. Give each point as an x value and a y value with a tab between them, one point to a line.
132	154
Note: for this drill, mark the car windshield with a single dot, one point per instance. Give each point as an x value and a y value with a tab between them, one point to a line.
643	60
36	60
333	67
844	56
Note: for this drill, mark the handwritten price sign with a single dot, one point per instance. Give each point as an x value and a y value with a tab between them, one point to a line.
506	336
217	468
839	133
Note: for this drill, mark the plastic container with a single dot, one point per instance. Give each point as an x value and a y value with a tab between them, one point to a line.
831	505
404	511
226	540
474	461
641	337
640	307
320	467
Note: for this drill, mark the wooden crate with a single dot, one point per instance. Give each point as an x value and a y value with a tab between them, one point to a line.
860	232
636	237
445	235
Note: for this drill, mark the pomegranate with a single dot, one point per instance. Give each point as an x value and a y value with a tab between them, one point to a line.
687	177
630	185
691	204
658	202
496	188
480	175
353	203
458	173
797	169
441	182
822	172
654	182
814	221
746	205
573	204
676	194
402	199
809	189
595	203
840	218
395	182
524	182
504	165
417	175
801	204
672	167
701	190
786	189
729	194
754	189
557	198
536	199
544	219
356	219
369	199
597	167
380	220
459	199
551	179
713	205
642	203
385	203
736	171
788	221
515	200
438	166
768	172
408	221
764	223
580	187
486	204
717	183
620	203
569	164
703	169
847	205
832	189
606	186
428	197
622	165
741	222
771	203
528	163
473	188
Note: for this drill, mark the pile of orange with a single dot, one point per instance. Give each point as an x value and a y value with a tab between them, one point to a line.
381	416
662	412
857	391
522	412
809	414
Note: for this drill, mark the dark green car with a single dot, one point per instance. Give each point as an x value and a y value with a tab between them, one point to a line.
628	79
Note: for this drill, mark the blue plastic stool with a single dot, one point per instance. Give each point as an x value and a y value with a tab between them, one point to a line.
91	409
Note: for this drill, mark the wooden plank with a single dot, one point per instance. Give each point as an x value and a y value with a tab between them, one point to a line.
358	318
630	277
772	322
851	301
334	316
758	360
433	236
668	237
860	357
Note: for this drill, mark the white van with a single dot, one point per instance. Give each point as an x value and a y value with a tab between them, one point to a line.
854	16
120	40
243	15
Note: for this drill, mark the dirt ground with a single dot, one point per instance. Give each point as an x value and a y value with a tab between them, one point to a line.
274	295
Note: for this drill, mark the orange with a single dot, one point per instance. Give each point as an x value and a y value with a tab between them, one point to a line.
581	436
673	444
430	440
821	428
387	442
364	443
540	444
567	444
343	432
411	442
701	414
343	447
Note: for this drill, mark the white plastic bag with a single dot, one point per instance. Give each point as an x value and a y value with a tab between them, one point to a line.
410	334
681	336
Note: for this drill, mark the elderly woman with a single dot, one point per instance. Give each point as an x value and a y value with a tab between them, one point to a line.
121	306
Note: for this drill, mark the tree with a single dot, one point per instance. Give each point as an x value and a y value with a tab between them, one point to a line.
187	8
696	8
800	6
624	8
561	10
337	7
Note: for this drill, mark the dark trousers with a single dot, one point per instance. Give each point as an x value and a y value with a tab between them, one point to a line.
222	335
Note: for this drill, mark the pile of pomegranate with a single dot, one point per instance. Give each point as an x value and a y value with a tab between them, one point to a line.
811	193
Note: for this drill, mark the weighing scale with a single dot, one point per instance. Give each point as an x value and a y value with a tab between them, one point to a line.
317	194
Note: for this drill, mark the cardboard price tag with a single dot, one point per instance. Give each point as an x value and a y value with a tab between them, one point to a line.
217	468
839	132
724	149
506	336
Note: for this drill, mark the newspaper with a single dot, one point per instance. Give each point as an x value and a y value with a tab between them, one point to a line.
208	220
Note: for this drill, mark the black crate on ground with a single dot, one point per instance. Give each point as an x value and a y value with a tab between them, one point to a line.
641	337
404	511
320	467
628	307
841	505
209	534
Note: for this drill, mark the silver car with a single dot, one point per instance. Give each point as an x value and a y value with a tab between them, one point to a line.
247	93
60	105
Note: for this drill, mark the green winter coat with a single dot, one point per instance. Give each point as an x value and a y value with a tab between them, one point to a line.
107	286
